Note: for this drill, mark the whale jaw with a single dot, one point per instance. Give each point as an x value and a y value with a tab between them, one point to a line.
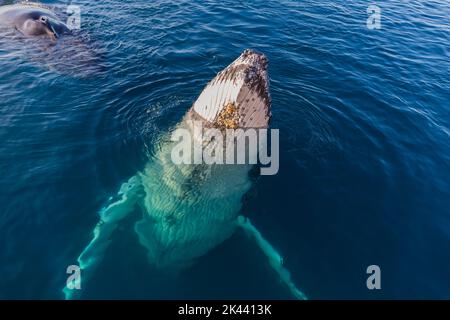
238	97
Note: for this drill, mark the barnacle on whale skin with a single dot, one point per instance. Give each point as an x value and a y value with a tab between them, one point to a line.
228	117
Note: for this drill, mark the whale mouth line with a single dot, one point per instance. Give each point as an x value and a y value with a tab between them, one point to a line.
54	34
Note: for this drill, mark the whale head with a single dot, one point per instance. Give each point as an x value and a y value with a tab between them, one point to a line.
40	22
238	97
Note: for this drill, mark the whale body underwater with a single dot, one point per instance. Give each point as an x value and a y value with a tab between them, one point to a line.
188	209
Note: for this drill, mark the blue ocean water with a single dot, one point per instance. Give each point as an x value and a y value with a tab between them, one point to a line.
364	125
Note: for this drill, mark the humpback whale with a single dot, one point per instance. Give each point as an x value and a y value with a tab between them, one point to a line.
188	209
32	20
40	34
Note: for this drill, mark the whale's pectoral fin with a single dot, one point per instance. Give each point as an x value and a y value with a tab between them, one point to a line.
275	260
127	197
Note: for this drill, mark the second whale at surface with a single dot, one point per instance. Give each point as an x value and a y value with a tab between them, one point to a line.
40	33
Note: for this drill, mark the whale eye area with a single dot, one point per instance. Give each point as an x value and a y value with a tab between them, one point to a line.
43	19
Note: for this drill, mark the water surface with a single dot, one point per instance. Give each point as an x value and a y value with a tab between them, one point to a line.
365	147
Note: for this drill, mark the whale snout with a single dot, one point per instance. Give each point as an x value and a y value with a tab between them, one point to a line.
238	97
253	58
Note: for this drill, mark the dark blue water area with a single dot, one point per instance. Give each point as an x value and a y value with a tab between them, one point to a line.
364	124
